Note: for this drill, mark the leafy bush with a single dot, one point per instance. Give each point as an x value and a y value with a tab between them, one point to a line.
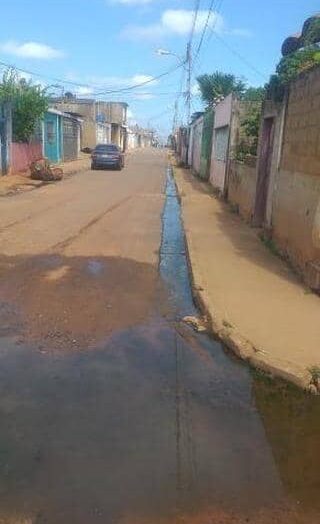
250	126
289	68
292	65
29	103
312	33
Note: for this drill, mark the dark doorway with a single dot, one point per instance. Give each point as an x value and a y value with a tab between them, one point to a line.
264	168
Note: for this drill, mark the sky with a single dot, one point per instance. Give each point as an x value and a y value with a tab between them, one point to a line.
106	45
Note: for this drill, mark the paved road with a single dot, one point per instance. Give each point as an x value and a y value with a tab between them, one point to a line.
112	410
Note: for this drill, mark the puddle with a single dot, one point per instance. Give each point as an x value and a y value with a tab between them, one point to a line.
95	267
156	424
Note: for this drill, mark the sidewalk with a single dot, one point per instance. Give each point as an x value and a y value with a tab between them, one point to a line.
10	184
256	305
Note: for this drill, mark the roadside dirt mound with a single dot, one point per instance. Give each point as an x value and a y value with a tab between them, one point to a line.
42	170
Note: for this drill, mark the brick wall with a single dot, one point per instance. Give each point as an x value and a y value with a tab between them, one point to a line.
296	193
301	150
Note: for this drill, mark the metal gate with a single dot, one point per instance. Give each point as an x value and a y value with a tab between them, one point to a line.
70	139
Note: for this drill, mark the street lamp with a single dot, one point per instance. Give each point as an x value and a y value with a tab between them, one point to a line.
166	52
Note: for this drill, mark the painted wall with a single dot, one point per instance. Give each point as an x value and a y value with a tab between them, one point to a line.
23	154
220	142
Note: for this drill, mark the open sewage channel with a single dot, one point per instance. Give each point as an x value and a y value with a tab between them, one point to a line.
156	425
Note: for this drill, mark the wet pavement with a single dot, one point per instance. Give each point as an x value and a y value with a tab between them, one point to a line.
112	410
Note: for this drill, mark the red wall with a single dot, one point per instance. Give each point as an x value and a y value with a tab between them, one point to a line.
23	154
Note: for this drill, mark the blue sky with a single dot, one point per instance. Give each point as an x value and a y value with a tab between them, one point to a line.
111	44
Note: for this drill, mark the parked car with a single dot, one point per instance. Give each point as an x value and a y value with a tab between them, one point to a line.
107	155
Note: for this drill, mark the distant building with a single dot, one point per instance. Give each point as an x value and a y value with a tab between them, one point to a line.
103	122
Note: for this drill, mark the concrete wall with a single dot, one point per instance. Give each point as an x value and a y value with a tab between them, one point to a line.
197	128
115	112
242	187
103	133
89	134
190	148
296	191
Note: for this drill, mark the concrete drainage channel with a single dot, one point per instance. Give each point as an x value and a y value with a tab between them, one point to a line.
174	268
285	412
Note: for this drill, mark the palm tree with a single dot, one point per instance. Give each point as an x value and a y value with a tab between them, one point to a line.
219	85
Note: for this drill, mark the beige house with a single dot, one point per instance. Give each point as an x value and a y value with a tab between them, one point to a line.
103	122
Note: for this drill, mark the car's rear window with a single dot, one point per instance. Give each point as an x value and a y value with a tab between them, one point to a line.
106	148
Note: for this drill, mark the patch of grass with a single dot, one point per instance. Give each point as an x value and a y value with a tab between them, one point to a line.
234	208
270	244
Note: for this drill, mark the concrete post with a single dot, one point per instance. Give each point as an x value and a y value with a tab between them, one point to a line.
5	136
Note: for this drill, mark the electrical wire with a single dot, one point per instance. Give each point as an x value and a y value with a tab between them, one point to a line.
194	21
108	91
141	84
240	56
205	27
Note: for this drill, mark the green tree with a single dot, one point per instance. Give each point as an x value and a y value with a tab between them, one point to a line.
219	85
254	94
29	103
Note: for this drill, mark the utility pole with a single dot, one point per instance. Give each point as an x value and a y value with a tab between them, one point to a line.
188	95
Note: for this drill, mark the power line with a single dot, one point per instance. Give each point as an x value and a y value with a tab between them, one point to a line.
32	73
217	11
189	58
205	27
194	21
108	91
241	57
129	88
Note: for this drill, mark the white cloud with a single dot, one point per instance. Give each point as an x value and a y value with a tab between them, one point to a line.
30	50
104	83
180	21
142	79
175	22
83	91
239	32
144	96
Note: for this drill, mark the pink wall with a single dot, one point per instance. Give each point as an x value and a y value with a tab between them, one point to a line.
23	154
223	112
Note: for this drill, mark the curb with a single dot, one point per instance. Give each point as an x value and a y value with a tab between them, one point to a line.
231	337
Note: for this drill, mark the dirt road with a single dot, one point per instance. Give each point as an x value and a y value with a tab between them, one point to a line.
112	410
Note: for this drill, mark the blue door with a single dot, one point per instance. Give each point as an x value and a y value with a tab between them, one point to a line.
52	137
